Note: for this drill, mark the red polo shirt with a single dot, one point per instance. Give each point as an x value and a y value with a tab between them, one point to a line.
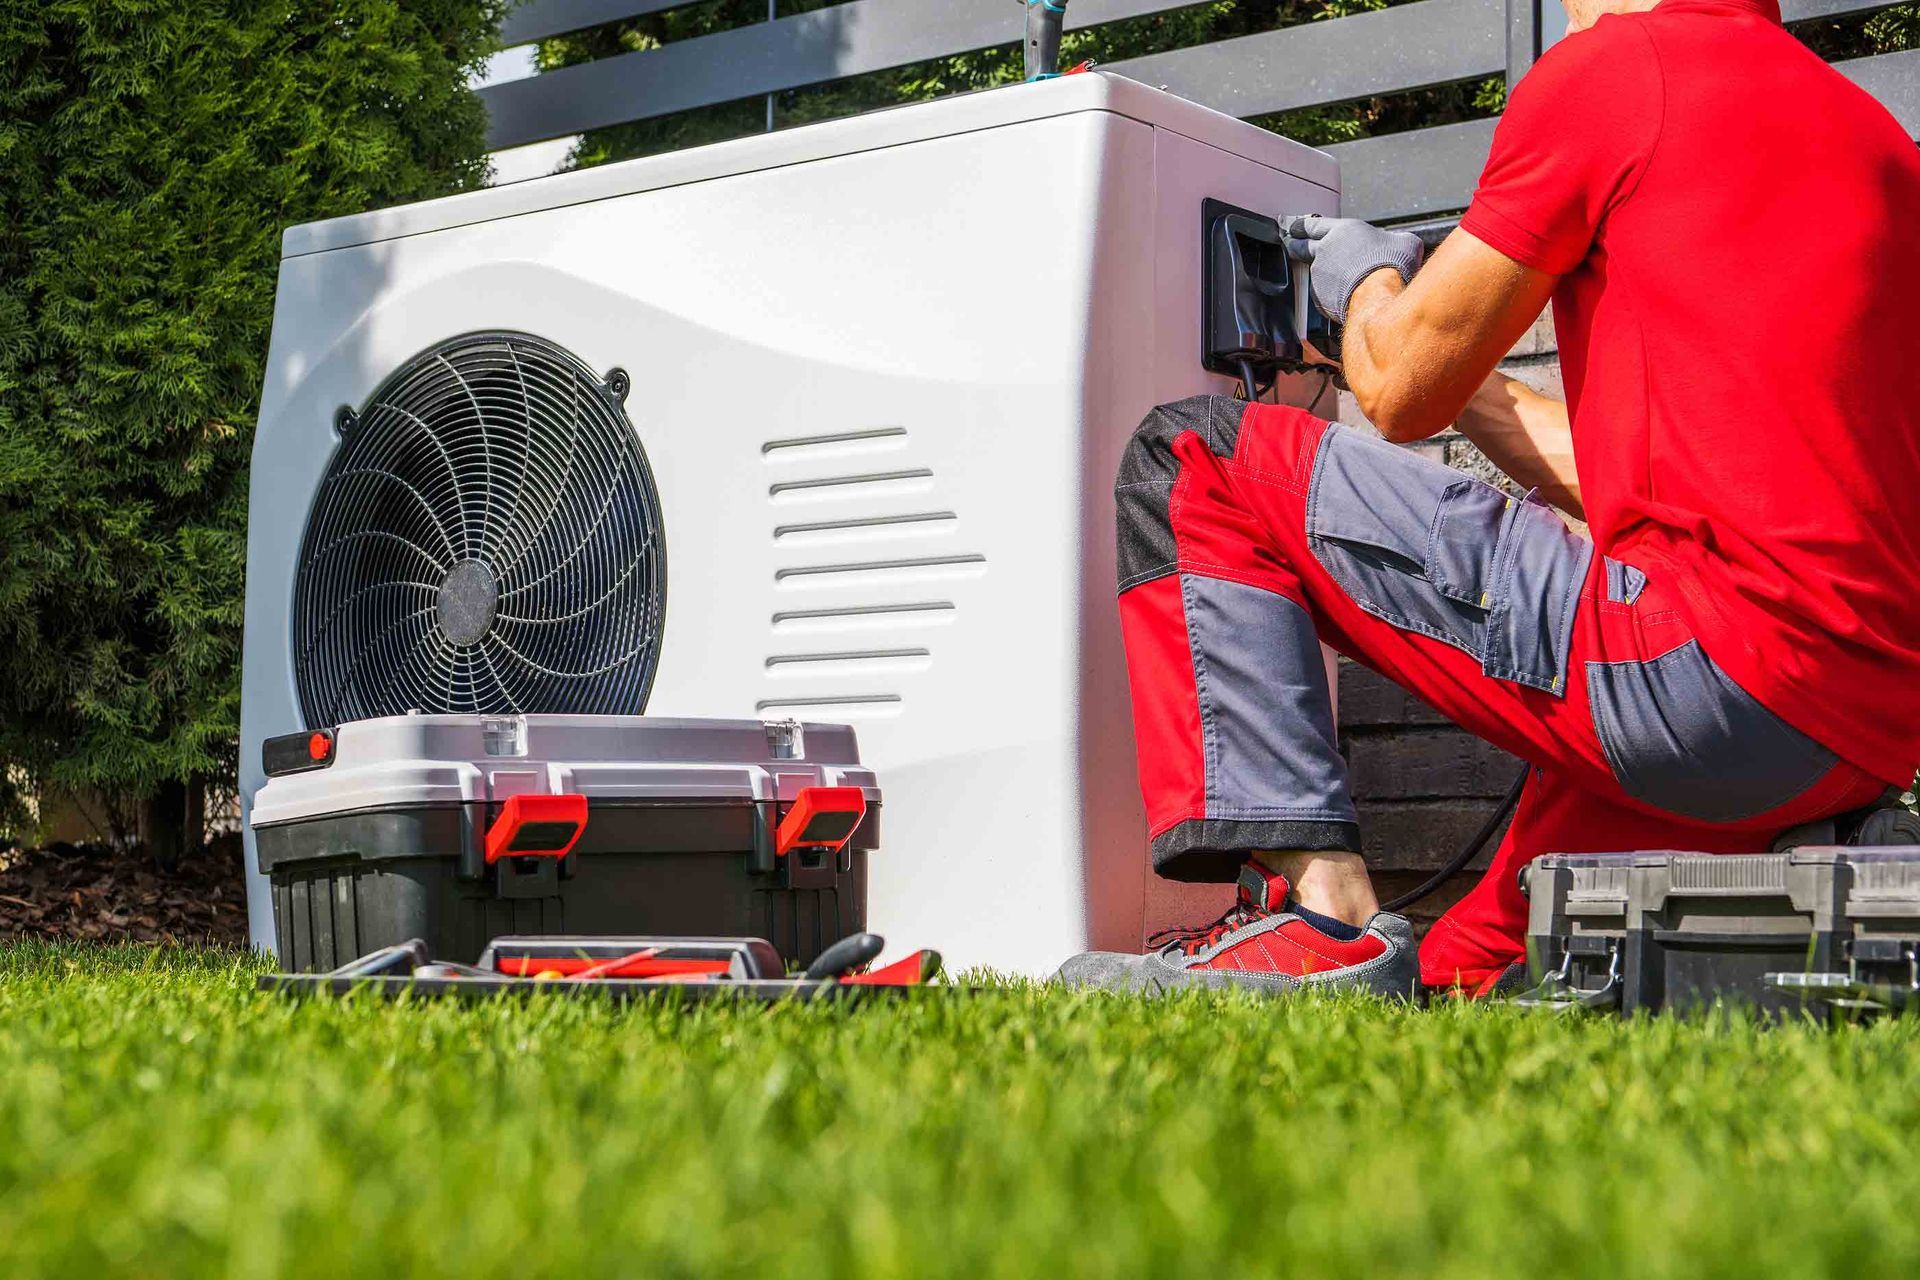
1737	231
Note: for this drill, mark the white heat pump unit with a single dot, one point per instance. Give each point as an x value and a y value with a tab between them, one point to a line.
817	425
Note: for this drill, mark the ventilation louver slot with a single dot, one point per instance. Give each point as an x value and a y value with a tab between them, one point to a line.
865	564
487	538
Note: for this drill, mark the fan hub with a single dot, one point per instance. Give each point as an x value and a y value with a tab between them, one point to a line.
469	597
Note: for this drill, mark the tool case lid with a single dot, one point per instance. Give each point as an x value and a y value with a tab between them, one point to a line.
1589	882
1884	882
417	761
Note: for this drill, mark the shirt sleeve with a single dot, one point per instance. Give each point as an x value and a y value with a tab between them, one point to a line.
1577	134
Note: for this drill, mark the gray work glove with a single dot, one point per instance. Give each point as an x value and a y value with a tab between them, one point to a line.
1344	251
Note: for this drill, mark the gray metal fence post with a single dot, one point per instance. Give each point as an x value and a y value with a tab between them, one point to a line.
773	12
1523	37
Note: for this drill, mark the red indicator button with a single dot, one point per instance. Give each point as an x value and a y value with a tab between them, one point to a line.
301	752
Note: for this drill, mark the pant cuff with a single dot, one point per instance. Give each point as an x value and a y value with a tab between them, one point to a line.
1212	850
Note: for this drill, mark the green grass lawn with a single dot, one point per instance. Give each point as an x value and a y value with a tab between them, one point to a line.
157	1117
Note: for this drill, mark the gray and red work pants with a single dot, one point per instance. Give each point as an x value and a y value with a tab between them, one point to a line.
1251	533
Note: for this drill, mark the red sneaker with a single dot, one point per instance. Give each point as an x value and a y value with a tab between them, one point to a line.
1261	946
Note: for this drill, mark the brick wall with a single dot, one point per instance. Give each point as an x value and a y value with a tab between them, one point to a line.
1422	786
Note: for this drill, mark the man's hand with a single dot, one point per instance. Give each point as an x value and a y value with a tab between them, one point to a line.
1345	251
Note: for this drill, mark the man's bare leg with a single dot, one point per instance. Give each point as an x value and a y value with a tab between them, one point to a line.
1332	884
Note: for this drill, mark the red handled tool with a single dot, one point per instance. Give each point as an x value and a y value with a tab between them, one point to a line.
847	960
915	970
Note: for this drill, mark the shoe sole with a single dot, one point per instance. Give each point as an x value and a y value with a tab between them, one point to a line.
1394	976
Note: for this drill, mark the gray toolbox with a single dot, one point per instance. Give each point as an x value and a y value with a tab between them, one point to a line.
458	829
1829	926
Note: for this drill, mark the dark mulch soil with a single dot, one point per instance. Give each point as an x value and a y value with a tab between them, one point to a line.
96	894
92	893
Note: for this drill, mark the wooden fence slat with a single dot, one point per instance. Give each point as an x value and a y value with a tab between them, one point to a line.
543	18
1404	175
1802	10
1409	46
1894	78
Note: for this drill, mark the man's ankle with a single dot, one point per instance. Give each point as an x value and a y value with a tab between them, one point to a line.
1332	884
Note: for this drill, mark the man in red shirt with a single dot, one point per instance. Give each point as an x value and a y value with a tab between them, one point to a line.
1729	232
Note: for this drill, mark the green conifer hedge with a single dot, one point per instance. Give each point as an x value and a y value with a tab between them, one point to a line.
151	153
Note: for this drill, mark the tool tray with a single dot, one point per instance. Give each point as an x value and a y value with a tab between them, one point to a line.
617	991
621	970
460	829
1829	927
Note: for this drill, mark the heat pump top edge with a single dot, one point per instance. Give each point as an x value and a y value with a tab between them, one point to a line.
963	113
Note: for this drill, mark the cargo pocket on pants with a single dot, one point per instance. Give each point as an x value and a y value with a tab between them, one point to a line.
1538	574
1428	550
1680	735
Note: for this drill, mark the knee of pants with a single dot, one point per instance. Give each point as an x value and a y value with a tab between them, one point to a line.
1143	490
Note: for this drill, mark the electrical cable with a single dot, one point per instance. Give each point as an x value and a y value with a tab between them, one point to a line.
1467	851
1326	382
1252	389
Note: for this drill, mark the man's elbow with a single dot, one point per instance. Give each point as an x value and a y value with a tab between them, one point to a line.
1402	418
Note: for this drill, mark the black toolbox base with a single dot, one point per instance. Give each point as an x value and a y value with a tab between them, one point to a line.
329	912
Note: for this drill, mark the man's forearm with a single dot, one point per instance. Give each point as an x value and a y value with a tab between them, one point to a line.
1411	389
1416	354
1402	386
1527	436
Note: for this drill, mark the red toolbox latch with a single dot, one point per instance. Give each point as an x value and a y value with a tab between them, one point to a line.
822	818
537	827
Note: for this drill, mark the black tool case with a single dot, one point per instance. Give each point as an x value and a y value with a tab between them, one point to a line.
1778	932
461	829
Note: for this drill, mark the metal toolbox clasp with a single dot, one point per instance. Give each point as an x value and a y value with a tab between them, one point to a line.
1557	990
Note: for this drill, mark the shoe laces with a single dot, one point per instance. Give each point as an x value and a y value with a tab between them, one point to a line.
1193	939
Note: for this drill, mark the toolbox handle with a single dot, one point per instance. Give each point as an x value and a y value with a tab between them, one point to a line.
1557	991
537	827
821	818
846	956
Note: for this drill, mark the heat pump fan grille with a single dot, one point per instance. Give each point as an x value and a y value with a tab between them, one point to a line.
487	538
